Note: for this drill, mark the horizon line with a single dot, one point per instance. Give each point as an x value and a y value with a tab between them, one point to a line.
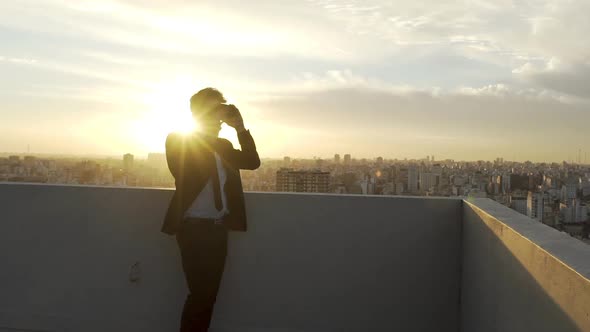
330	158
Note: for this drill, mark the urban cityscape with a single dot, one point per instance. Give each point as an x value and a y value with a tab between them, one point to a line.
555	194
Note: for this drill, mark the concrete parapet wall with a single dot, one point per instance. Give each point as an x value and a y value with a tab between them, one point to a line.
79	258
521	275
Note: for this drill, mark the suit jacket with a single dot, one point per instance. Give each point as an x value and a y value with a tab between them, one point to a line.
190	160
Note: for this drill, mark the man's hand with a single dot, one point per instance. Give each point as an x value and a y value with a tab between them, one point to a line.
234	118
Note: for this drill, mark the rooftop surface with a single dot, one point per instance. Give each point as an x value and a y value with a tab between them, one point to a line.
83	258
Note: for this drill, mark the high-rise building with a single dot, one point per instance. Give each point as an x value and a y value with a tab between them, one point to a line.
437	169
459	180
535	205
413	179
570	188
311	181
519	204
506	183
402	177
347	159
429	181
127	161
286	161
574	211
368	185
518	181
337	158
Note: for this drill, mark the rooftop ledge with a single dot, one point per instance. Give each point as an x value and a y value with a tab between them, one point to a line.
88	258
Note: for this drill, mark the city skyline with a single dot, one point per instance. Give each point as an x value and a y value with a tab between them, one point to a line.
556	194
578	159
462	81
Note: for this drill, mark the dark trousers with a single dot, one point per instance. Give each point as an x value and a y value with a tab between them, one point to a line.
203	248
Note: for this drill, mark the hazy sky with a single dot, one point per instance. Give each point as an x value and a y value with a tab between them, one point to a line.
457	79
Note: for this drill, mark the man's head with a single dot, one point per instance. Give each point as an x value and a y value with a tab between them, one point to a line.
204	106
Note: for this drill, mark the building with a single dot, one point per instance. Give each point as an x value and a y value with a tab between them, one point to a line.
413	179
506	183
310	181
368	185
519	204
337	158
347	159
14	160
428	181
574	212
286	161
518	181
570	188
29	161
401	178
535	205
127	161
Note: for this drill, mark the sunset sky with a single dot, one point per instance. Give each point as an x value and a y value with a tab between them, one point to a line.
455	79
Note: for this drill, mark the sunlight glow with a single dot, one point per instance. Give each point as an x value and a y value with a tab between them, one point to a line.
167	110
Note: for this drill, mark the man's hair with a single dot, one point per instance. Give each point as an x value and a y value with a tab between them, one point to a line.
207	94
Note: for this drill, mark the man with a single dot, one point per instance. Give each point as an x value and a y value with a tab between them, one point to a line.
208	200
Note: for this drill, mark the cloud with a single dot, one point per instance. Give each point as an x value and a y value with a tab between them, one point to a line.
568	78
486	72
18	60
483	124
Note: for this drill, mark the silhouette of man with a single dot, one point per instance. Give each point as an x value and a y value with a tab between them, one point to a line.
208	200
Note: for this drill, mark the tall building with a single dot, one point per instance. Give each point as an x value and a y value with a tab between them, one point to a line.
506	183
574	212
413	179
535	205
127	161
519	204
286	161
368	185
428	181
337	158
402	178
347	159
518	181
570	189
289	180
437	169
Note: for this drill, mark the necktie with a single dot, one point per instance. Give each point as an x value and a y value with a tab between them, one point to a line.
216	185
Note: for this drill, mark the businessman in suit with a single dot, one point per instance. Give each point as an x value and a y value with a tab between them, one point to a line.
208	201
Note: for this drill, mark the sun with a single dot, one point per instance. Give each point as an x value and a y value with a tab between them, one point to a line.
167	109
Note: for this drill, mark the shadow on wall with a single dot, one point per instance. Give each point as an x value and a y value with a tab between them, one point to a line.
499	293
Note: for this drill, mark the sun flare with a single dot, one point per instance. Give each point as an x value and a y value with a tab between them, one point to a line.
167	110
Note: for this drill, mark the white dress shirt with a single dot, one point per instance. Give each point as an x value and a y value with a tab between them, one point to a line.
204	205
